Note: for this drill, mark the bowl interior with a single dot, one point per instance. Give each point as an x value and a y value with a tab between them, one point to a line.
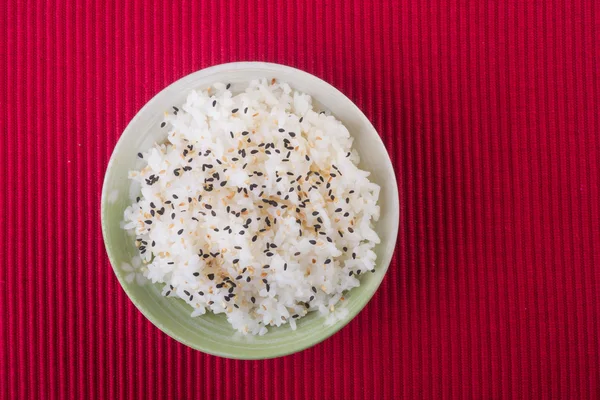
212	333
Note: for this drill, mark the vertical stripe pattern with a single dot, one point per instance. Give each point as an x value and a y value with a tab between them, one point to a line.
489	110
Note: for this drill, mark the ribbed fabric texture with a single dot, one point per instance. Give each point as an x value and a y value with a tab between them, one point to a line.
490	111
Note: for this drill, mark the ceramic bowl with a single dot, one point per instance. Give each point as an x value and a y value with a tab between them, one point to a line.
212	333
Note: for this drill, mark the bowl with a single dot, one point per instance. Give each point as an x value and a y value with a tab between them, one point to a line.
212	333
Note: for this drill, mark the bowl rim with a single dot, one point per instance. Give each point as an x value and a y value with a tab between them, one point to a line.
382	264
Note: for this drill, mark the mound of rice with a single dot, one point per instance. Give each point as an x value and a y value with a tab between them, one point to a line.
254	207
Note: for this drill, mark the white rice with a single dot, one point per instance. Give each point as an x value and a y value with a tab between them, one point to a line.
254	207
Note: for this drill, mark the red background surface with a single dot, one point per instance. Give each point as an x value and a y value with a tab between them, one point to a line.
490	113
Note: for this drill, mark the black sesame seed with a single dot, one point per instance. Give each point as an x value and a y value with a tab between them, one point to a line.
354	256
214	103
292	134
149	222
234	110
269	254
313	242
307	158
350	230
180	232
228	86
314	289
266	266
254	238
210	276
327	261
253	300
268	287
196	274
162	124
140	155
168	293
346	214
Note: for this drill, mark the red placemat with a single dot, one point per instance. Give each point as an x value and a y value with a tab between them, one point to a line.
490	113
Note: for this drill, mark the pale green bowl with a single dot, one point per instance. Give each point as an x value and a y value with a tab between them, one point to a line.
210	333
